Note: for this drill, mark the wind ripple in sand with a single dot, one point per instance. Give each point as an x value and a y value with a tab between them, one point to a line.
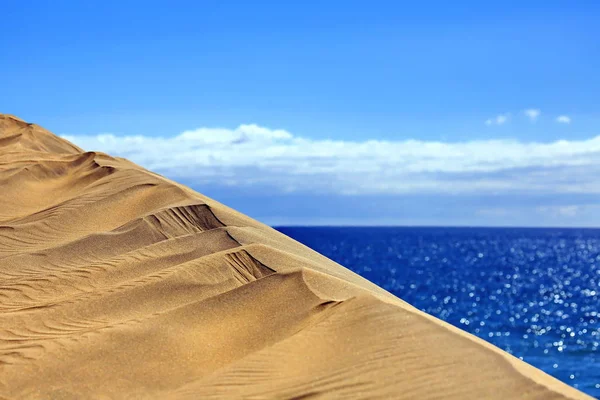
116	282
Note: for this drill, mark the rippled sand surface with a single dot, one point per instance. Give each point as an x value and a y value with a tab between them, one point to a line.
118	283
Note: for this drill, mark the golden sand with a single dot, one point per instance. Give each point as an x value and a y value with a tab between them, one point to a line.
118	283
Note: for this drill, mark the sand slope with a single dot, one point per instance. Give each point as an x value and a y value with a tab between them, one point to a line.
118	283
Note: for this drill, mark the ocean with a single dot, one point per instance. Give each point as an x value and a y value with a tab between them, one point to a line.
532	292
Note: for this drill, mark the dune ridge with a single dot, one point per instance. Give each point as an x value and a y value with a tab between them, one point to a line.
118	283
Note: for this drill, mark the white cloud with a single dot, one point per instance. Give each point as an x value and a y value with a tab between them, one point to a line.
532	113
501	119
257	156
563	119
498	120
562	211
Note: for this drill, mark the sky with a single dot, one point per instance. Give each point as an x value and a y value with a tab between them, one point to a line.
328	113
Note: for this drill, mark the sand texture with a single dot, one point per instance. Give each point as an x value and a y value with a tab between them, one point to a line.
118	283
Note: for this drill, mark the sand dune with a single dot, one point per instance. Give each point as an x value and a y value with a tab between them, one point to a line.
118	283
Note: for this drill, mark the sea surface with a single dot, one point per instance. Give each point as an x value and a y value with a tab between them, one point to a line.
532	292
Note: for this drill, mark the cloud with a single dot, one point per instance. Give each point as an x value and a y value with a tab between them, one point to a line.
274	159
563	119
563	211
501	119
498	120
532	113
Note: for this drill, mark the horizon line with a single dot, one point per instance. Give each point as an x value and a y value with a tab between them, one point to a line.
437	226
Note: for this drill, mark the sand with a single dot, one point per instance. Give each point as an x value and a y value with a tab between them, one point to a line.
118	283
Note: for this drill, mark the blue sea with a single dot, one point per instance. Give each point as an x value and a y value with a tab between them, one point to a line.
532	292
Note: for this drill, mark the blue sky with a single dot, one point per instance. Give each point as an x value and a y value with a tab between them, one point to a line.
379	112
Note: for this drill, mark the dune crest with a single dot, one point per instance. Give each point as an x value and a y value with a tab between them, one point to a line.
118	283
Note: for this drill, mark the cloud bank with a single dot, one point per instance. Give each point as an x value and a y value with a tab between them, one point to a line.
255	156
